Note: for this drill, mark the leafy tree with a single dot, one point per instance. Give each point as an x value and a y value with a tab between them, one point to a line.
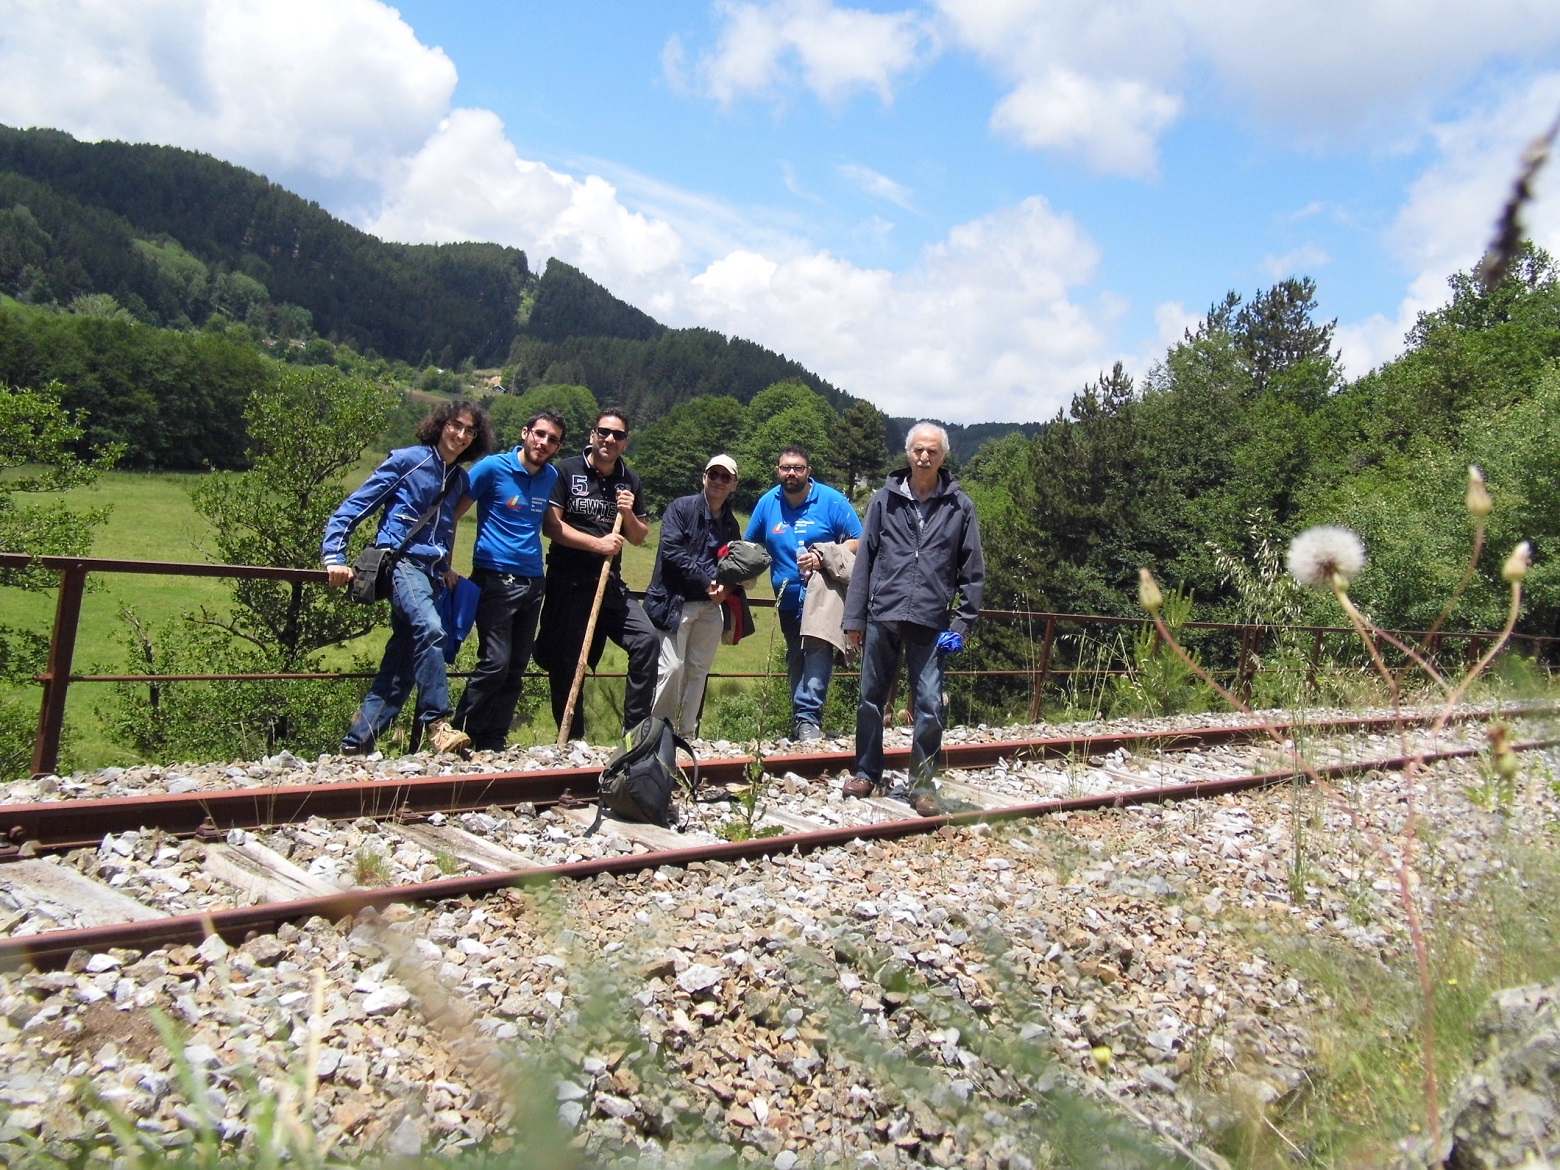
787	412
576	403
860	446
306	428
671	452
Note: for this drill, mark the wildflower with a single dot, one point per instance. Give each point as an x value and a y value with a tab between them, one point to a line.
1479	503
1149	596
1517	563
1326	557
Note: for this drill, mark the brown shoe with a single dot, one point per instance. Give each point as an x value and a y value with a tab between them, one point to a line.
445	738
926	804
857	786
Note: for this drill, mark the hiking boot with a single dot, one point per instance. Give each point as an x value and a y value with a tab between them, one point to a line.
348	748
445	738
808	733
857	786
926	804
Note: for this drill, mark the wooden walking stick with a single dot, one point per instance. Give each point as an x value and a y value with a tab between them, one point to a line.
590	636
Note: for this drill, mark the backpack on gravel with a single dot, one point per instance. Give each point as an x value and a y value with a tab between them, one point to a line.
640	776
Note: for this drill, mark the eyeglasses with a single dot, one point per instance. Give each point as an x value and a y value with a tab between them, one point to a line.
718	474
547	437
788	468
460	428
612	433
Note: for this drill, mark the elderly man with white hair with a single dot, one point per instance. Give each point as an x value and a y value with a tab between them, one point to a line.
915	592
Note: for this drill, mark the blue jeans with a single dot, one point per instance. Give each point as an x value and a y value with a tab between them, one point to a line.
413	656
886	643
506	627
809	666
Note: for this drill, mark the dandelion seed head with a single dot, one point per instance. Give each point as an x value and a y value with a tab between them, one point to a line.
1479	503
1518	563
1149	596
1320	555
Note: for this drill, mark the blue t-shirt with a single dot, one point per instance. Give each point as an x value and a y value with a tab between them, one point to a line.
824	517
510	504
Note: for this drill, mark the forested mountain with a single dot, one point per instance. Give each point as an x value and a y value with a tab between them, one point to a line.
134	221
180	239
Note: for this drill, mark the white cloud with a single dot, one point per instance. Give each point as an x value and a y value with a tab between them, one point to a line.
1327	67
1331	66
876	184
1113	124
1449	216
335	90
984	326
1299	262
838	51
506	199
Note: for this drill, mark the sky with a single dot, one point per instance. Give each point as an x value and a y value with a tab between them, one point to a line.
965	209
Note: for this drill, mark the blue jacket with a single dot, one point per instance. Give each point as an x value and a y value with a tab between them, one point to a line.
907	569
685	563
402	487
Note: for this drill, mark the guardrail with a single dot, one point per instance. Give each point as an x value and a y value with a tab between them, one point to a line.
57	676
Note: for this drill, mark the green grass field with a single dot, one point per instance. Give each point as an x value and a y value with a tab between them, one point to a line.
152	519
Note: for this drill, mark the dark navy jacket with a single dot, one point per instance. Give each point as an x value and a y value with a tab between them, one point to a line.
403	486
691	540
907	572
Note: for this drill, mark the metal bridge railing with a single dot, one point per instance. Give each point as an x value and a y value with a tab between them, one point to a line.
57	677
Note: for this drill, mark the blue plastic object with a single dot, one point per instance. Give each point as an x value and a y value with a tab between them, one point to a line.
949	642
458	610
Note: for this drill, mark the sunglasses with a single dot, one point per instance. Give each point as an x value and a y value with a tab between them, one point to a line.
612	433
719	475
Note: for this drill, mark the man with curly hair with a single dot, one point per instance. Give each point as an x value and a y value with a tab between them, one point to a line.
413	482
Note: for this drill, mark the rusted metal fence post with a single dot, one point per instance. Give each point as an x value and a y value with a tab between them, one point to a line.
1037	701
56	680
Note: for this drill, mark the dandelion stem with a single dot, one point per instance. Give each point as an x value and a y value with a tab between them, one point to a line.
1479	667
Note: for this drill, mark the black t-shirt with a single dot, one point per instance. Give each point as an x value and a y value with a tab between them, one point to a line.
587	500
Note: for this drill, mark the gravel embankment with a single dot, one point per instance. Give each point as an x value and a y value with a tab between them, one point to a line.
924	1000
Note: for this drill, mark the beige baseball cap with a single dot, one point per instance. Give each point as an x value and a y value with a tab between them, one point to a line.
725	461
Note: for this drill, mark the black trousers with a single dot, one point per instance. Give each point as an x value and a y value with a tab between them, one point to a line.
506	631
565	614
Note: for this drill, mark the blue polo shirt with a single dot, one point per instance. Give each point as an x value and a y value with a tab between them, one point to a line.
510	504
824	517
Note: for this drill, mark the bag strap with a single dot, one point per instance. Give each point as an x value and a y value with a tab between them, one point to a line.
693	789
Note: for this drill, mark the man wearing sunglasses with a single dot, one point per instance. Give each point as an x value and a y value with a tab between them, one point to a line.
512	491
684	599
592	491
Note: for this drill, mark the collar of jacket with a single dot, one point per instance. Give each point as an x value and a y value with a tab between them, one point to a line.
899	483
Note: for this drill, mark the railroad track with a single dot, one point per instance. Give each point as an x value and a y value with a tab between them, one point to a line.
141	872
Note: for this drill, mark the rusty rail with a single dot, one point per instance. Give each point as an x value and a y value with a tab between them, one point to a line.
57	676
52	949
61	825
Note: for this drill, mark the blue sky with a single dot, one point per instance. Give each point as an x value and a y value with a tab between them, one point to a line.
964	208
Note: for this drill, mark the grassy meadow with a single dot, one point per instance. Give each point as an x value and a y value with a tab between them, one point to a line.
153	519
